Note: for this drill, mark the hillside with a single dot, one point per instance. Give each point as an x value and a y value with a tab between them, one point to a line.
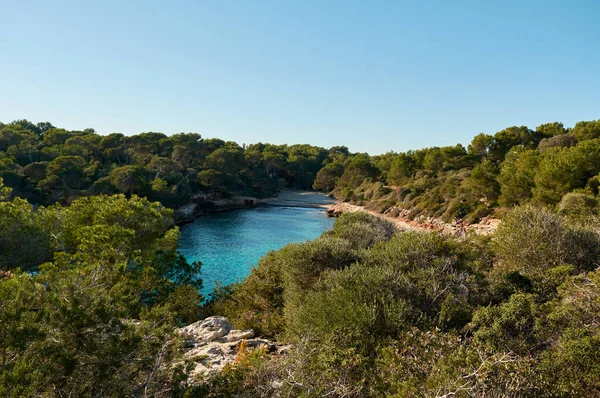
94	296
515	166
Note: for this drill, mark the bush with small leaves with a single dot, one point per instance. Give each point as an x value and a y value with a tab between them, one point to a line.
533	240
578	206
515	326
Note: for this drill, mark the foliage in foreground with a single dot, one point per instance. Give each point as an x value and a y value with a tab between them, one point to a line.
95	314
91	294
418	314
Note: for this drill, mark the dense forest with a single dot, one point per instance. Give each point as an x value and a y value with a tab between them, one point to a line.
92	287
515	166
47	165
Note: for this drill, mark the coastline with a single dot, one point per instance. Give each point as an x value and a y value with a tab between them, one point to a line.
395	215
299	198
206	204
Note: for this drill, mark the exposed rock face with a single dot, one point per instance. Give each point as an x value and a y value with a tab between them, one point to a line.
207	330
212	343
486	226
187	213
204	203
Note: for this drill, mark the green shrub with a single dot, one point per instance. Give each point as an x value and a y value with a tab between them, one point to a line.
435	364
511	326
362	230
478	214
257	302
358	306
412	279
533	240
574	322
578	206
411	251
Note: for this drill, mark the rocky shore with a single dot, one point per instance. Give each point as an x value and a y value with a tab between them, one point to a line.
399	217
206	204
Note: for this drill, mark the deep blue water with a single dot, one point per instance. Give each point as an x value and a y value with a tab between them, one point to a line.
230	243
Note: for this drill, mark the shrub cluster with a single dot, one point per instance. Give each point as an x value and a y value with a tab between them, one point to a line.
94	314
370	312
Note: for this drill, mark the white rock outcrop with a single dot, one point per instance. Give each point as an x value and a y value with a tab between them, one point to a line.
207	330
212	343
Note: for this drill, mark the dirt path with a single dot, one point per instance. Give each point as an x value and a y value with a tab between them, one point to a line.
340	208
485	227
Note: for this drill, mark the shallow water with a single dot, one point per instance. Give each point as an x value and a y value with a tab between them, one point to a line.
230	243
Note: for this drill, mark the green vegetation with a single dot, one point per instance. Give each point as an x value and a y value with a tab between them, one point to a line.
46	165
375	313
92	288
513	167
96	313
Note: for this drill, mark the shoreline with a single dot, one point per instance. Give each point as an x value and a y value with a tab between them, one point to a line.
340	208
206	204
459	229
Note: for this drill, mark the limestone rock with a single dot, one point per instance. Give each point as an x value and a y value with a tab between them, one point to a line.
207	330
212	343
237	335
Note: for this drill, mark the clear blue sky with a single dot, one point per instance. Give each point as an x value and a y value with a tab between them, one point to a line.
372	75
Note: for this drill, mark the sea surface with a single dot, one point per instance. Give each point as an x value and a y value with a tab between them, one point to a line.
230	243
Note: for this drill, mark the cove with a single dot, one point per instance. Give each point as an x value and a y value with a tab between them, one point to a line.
230	243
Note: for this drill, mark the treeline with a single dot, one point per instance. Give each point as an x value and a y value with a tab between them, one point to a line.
91	292
46	165
515	166
371	312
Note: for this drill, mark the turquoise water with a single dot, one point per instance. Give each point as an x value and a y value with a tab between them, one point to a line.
230	243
